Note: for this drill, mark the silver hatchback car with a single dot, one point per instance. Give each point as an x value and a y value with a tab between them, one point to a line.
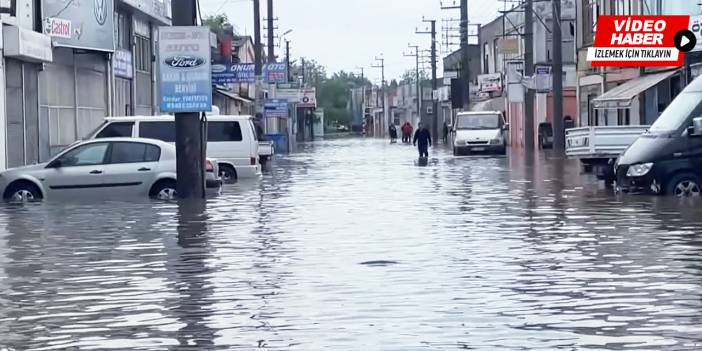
105	168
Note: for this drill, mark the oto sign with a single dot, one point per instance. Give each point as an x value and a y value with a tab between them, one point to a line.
185	73
641	41
225	73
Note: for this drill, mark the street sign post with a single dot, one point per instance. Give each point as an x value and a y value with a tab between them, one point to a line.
275	108
185	72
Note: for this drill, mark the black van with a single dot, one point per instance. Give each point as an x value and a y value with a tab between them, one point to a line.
668	158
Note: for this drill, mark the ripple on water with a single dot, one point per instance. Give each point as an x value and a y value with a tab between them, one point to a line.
349	245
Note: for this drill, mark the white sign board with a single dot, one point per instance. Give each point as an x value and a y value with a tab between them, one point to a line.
185	72
309	97
696	27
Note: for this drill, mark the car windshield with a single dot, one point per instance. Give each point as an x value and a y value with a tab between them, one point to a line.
678	112
487	121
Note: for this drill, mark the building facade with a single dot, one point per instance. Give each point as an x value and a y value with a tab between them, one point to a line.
621	95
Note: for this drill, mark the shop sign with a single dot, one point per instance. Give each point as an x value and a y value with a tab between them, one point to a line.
185	72
275	108
26	45
225	73
85	25
123	64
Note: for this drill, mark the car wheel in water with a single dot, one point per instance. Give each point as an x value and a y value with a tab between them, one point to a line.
685	185
164	190
227	173
23	192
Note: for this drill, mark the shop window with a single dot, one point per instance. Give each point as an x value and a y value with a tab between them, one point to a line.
142	54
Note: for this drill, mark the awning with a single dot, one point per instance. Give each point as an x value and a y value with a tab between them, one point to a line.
622	96
234	96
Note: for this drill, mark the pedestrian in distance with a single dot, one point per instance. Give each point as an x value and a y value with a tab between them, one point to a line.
422	139
446	133
405	135
393	134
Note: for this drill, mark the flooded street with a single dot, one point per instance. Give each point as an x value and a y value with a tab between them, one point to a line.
350	245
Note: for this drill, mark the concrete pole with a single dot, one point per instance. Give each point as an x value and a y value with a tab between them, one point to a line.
258	64
434	84
190	158
465	58
271	33
529	72
557	71
287	59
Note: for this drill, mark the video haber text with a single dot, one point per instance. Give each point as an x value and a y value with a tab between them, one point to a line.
638	32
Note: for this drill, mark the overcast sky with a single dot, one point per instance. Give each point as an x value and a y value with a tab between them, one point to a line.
346	34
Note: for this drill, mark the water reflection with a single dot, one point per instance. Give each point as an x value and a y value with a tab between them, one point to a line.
193	306
350	244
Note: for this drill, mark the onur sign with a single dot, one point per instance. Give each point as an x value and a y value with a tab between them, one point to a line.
184	60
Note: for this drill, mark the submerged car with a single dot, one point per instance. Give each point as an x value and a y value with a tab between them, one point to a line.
107	168
667	159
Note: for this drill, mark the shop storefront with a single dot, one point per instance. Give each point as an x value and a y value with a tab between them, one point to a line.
24	52
136	32
76	87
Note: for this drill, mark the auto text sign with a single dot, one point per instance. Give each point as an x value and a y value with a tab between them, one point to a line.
185	72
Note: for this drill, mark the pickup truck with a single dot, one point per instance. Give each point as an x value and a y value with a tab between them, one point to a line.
599	147
265	151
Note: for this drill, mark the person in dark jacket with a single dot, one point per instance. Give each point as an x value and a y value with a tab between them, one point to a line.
446	133
422	138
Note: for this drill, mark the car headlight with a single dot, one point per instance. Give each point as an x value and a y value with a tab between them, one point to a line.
639	170
495	141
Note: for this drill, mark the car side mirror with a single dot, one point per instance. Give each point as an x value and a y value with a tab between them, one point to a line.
696	129
505	127
56	164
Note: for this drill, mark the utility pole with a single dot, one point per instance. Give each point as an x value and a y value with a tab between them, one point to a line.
271	34
465	58
190	146
529	72
418	83
287	59
382	87
363	95
434	83
303	71
557	72
258	59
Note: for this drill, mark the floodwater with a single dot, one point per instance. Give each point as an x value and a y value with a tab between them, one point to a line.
350	245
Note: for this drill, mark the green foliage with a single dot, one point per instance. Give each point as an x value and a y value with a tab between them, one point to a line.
410	76
217	21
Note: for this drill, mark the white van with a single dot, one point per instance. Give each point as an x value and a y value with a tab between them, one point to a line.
232	140
482	131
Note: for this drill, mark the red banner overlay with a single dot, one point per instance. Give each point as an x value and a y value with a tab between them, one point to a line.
638	41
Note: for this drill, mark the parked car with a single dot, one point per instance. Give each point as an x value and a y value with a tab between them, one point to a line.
545	136
482	131
110	167
667	159
231	140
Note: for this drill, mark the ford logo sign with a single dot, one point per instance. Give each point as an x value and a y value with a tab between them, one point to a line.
184	61
218	68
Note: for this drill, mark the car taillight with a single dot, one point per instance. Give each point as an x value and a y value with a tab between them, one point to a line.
209	167
253	161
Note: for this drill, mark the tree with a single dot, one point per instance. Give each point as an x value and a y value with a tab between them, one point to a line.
217	21
333	92
410	76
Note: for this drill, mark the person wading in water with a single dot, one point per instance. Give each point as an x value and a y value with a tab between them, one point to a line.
422	138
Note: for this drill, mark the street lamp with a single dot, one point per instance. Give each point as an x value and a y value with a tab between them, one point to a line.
280	40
